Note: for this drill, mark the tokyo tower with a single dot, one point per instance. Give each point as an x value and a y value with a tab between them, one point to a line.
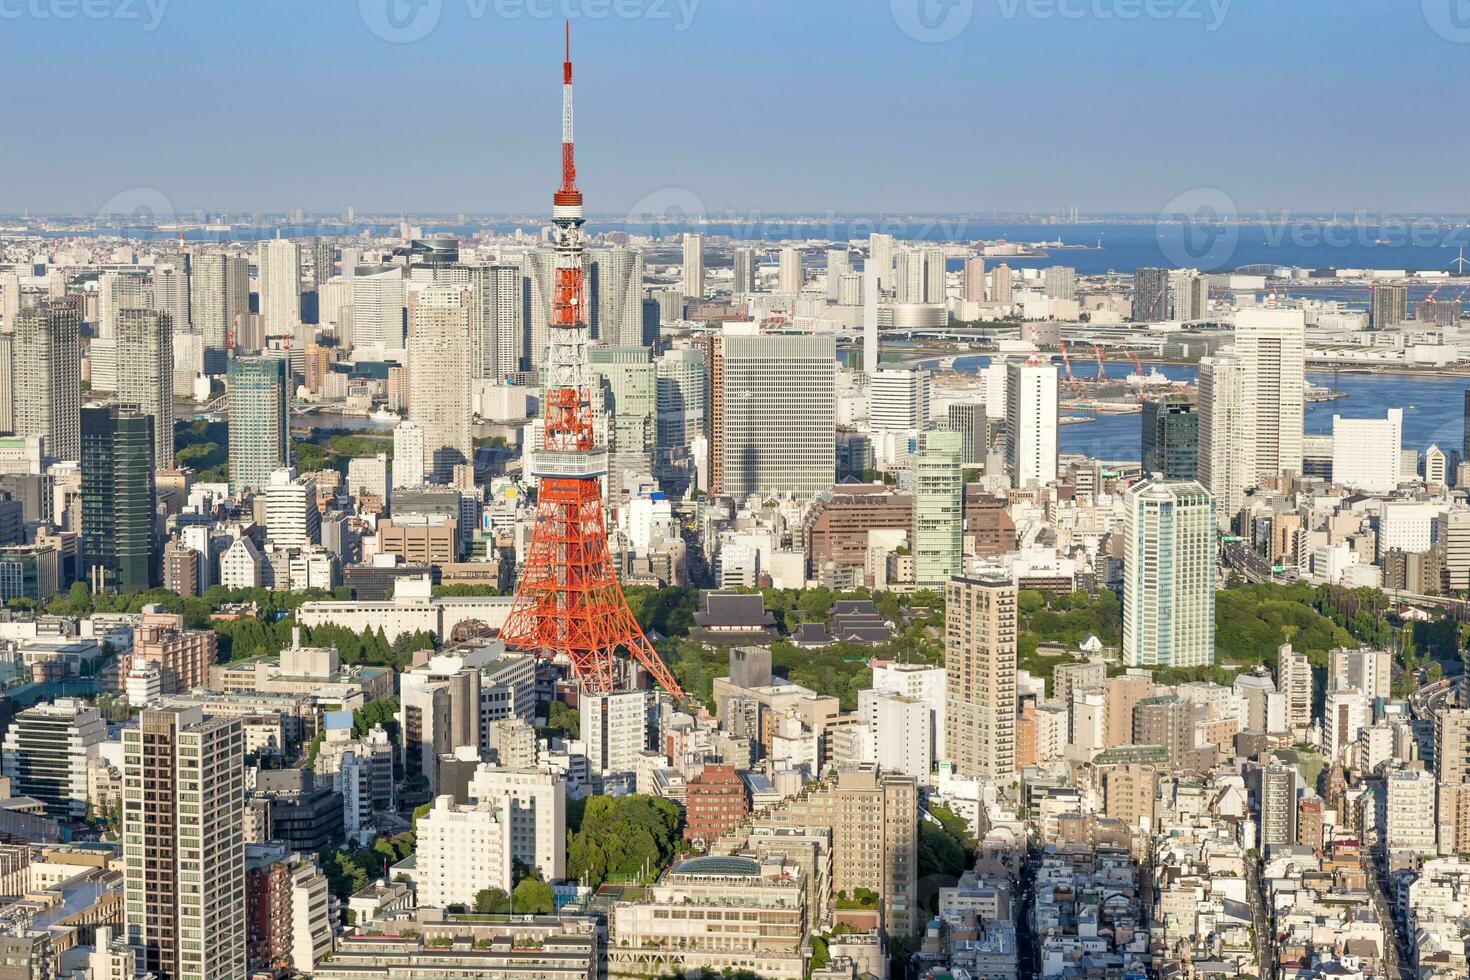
569	602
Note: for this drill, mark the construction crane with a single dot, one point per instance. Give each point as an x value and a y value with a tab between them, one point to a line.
1072	382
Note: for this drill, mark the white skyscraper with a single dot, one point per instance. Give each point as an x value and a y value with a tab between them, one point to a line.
1031	424
693	265
1223	464
47	378
1366	452
377	313
617	277
839	264
1271	348
408	455
497	320
778	402
870	318
938	530
880	256
1169	575
898	400
291	517
790	270
278	272
438	392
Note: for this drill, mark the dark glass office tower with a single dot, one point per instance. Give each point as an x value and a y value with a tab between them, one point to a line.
1171	437
118	544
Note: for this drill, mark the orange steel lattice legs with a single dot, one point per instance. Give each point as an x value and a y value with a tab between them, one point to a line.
569	602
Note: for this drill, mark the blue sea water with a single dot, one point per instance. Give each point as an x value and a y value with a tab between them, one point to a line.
1433	407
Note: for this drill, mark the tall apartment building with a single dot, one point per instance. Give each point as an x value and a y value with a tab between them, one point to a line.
1031	425
839	264
1059	282
617	294
47	377
970	421
497	320
183	656
715	803
183	796
788	271
1278	805
219	304
463	850
1150	295
777	412
1367	453
615	730
1390	305
438	349
145	374
744	268
694	266
408	455
980	676
1452	745
278	281
323	262
1000	284
1169	574
46	751
291	517
938	534
1411	823
870	816
119	550
537	811
1363	670
1190	296
259	425
880	256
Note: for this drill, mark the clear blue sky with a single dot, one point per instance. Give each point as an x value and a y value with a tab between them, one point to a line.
780	105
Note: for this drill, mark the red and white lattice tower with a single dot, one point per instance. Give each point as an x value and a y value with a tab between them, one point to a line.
569	602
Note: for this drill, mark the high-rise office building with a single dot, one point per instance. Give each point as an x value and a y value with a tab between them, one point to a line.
291	517
145	374
377	312
980	676
744	266
1367	453
183	796
970	421
1059	282
1150	295
46	753
680	396
1169	574
788	272
1031	424
777	402
939	509
278	280
47	377
693	266
118	545
839	264
259	426
898	400
497	320
439	403
1390	305
219	304
1171	437
617	294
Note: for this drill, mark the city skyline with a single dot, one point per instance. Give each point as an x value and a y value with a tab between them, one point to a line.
1064	140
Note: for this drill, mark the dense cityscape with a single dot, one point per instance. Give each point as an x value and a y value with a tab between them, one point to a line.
707	595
